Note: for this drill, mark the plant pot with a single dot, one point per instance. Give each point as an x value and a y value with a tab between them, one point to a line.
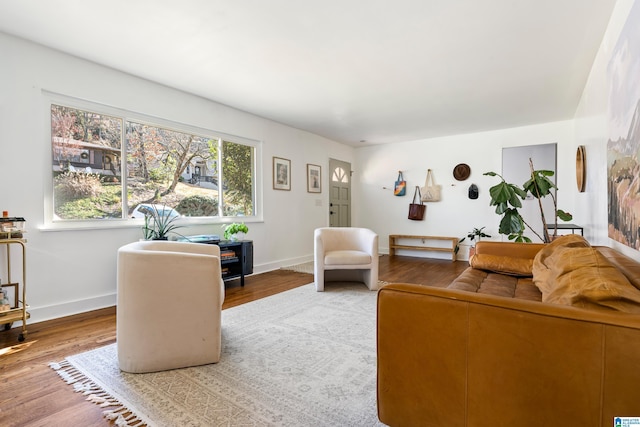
236	237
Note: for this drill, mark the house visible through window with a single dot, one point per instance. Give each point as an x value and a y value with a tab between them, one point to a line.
106	166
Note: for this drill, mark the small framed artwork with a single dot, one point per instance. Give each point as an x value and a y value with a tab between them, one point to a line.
281	174
314	183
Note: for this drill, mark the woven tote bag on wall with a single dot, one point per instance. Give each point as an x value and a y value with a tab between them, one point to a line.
431	192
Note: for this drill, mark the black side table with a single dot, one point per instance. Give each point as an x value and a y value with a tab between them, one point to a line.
236	256
236	259
571	227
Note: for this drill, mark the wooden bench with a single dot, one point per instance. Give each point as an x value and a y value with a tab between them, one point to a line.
394	245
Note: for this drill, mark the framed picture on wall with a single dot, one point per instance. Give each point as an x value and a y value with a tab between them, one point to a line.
281	174
314	182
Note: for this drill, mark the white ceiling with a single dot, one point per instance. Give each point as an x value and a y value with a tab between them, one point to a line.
350	70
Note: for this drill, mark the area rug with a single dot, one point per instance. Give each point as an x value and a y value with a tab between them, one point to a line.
299	358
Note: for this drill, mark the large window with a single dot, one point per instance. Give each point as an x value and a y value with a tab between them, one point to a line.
107	166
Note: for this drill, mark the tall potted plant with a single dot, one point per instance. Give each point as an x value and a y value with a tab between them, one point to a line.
506	197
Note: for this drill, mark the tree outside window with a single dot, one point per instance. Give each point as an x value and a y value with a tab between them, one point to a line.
161	166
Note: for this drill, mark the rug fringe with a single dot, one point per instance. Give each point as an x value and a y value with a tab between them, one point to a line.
121	415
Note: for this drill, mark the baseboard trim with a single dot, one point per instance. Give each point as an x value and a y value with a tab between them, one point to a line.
55	311
263	268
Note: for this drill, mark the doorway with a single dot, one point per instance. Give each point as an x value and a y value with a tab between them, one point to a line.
339	193
515	169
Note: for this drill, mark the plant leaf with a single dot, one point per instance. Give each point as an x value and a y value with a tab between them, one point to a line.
500	208
565	216
511	223
158	225
520	192
499	193
516	195
540	181
519	238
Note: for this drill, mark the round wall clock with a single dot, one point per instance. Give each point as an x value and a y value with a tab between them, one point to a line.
581	168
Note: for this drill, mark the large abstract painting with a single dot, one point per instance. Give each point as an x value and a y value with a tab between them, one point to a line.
623	147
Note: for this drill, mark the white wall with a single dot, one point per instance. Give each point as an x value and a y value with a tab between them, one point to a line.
591	130
74	271
456	214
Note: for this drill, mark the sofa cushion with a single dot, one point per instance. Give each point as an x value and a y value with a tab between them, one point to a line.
346	258
490	283
541	273
568	241
582	277
503	264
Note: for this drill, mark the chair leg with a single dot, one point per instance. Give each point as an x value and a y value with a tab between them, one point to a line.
319	280
370	279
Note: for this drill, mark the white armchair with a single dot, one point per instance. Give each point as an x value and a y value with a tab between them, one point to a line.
170	297
345	254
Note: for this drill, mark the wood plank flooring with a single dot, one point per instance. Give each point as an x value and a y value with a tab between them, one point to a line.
31	394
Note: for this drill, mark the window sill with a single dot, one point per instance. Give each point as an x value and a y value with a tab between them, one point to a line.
137	223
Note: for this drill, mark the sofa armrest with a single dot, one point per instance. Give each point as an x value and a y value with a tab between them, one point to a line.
452	358
368	242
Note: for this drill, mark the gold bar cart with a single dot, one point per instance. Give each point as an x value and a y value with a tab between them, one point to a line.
18	312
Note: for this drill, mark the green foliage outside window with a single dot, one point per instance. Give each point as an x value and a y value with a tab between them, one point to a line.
161	166
237	167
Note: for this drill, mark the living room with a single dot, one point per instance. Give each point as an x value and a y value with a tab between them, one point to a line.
71	269
54	292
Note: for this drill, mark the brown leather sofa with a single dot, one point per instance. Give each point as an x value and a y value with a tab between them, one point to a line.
487	351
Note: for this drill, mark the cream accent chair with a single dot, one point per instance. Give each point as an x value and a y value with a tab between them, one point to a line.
345	254
170	297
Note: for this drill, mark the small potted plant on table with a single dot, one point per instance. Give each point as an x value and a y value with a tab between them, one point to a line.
476	233
232	231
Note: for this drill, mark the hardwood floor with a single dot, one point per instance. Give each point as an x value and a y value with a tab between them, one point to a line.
31	394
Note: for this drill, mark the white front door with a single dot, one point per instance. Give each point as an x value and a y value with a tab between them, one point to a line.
339	193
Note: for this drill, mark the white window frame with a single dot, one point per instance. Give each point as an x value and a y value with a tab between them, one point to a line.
51	224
